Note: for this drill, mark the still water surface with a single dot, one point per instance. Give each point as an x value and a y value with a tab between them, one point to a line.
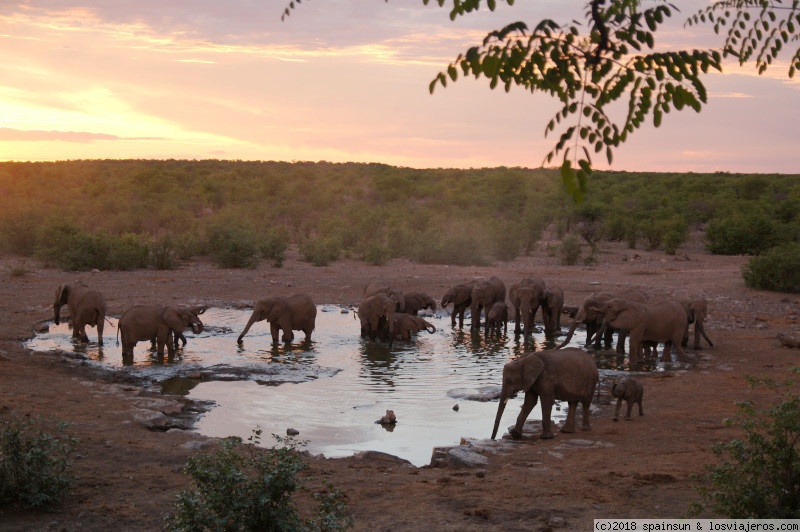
334	388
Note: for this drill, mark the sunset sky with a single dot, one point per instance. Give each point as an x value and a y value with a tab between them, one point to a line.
338	80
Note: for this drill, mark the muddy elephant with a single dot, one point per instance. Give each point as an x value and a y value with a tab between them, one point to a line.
416	301
552	307
377	316
86	307
407	324
461	298
592	319
556	375
394	293
526	296
497	319
660	321
696	312
631	391
484	294
291	313
144	322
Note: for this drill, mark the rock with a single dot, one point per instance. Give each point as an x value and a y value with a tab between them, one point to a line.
292	432
455	407
466	456
388	419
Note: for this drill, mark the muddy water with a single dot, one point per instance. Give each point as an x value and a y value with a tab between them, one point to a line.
441	386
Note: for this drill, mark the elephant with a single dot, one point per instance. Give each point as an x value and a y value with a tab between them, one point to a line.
661	321
563	374
461	297
631	391
483	295
696	312
416	301
179	338
291	313
86	307
497	318
405	324
144	322
394	293
593	319
377	316
552	307
526	296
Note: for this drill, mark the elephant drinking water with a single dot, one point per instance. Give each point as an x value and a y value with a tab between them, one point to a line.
145	322
293	313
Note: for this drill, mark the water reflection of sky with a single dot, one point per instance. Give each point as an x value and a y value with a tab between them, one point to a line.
339	384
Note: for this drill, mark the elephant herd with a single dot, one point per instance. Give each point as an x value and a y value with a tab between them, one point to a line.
387	313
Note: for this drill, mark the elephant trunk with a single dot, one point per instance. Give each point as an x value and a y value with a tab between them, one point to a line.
431	329
250	323
500	408
569	334
197	328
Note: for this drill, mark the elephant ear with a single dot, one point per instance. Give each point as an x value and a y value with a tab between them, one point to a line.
62	293
532	367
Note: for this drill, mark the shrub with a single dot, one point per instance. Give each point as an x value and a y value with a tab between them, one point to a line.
127	252
241	487
164	254
321	251
232	246
34	464
570	250
71	248
376	254
758	476
460	249
743	234
274	247
777	269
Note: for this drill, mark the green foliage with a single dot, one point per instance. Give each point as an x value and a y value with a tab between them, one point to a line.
274	247
777	269
127	252
743	233
758	475
570	250
321	251
35	469
242	487
164	254
233	246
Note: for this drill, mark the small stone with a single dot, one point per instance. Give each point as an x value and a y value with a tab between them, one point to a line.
455	407
388	419
292	432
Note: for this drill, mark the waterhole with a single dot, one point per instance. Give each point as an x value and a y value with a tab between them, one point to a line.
441	386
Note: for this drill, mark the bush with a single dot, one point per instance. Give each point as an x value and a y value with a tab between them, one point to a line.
460	249
70	248
164	254
570	250
232	246
127	252
376	254
274	247
34	464
241	487
778	269
321	251
758	477
743	234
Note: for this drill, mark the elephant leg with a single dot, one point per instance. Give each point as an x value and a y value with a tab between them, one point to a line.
275	331
587	414
517	318
547	407
678	349
617	409
666	355
621	335
288	335
530	401
639	402
100	325
630	407
569	424
171	340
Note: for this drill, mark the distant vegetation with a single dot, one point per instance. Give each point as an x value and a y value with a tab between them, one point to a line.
130	214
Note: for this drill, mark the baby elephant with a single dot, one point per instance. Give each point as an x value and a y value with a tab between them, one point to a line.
631	391
497	318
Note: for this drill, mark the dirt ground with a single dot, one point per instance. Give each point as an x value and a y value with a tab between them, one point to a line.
128	475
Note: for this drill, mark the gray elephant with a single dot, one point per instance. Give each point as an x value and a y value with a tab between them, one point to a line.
394	293
291	313
592	319
526	296
416	301
552	307
696	312
461	298
631	391
661	321
144	322
407	324
86	307
178	337
484	294
555	375
497	319
376	314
